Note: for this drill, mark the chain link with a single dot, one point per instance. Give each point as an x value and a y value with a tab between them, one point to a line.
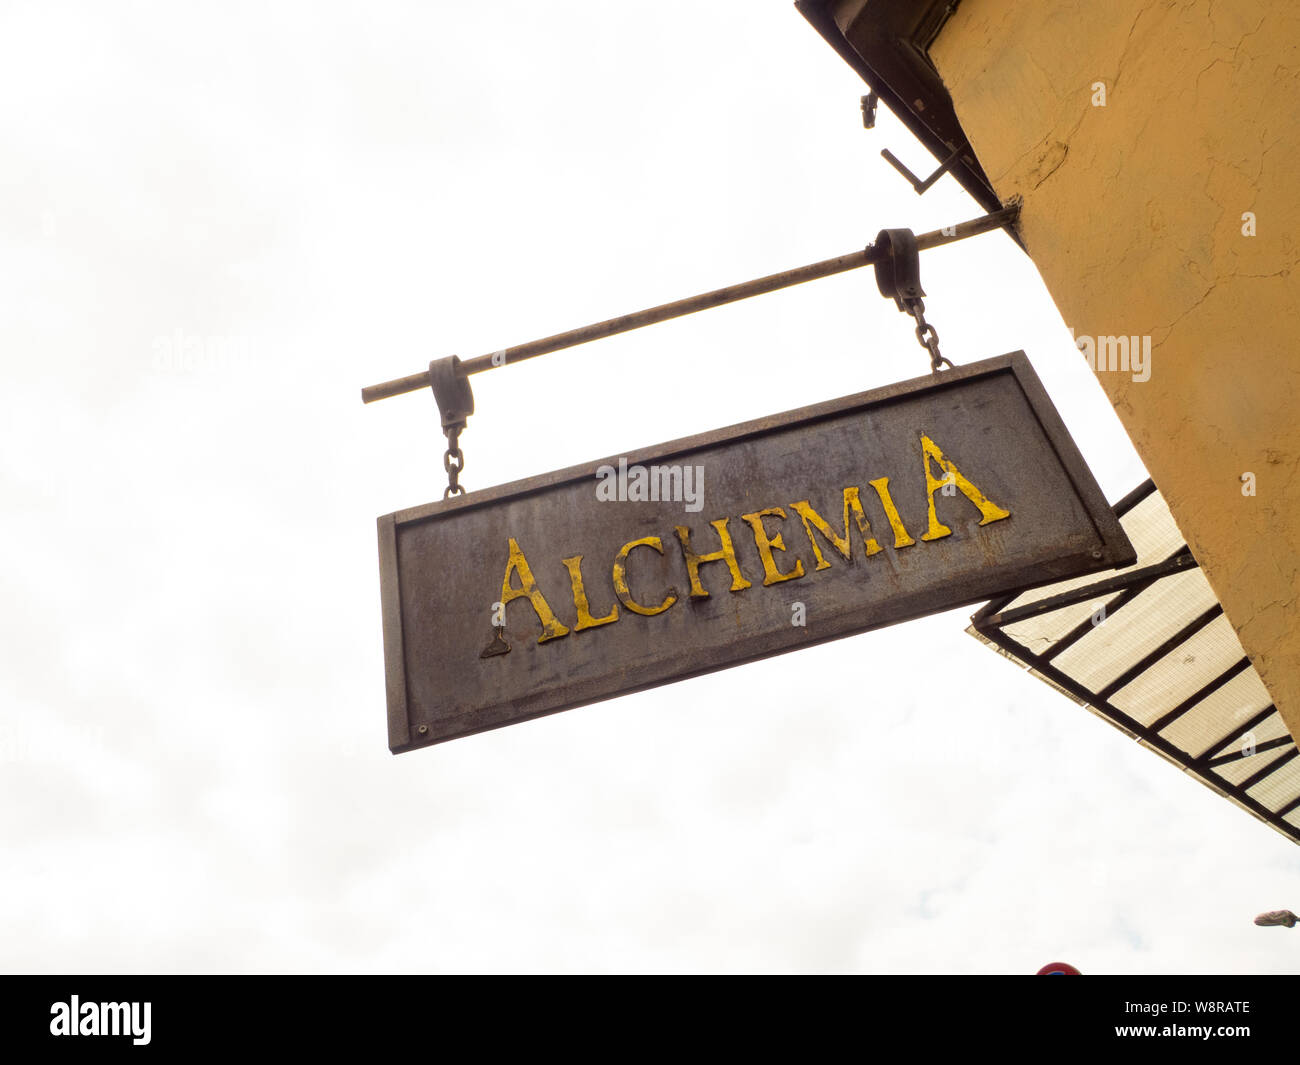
926	334
453	461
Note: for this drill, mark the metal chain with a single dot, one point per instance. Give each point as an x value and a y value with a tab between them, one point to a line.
926	334
453	461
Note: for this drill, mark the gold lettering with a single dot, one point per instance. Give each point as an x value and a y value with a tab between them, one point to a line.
585	620
551	627
766	545
901	539
843	544
620	579
989	511
727	554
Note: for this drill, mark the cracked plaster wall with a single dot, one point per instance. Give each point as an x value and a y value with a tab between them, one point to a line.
1133	216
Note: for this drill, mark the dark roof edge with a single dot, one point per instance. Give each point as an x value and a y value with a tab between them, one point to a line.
891	55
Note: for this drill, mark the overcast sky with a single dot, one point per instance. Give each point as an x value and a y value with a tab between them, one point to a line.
218	222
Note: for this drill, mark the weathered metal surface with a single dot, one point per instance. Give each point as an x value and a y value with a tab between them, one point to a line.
518	601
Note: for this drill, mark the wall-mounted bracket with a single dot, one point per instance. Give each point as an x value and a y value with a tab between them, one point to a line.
922	186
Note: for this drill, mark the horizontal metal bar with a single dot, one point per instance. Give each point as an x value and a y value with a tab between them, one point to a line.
1135	497
1275	764
994	606
1169	717
1237	756
1289	807
1207	757
1112	607
1181	561
1181	636
717	298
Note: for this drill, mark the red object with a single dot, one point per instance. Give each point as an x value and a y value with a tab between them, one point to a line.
1058	968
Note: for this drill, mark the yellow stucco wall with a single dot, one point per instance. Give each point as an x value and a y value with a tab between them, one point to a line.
1133	215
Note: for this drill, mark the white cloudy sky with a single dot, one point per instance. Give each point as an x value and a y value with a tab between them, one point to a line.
320	196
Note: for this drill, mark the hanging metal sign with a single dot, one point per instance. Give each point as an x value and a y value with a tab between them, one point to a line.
708	552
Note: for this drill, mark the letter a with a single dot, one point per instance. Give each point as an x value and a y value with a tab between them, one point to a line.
551	627
606	484
989	511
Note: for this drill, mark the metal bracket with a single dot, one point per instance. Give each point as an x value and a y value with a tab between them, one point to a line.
451	392
869	110
922	186
898	274
455	401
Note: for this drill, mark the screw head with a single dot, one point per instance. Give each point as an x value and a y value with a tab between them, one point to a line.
1096	552
422	729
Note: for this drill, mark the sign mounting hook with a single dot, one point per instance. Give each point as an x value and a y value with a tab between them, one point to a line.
455	401
898	276
922	185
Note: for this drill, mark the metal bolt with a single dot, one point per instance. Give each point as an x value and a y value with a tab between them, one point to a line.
1096	552
422	729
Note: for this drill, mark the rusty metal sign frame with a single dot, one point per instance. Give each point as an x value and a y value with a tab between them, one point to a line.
1112	549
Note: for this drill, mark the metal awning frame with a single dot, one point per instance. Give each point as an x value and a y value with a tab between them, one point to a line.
989	619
